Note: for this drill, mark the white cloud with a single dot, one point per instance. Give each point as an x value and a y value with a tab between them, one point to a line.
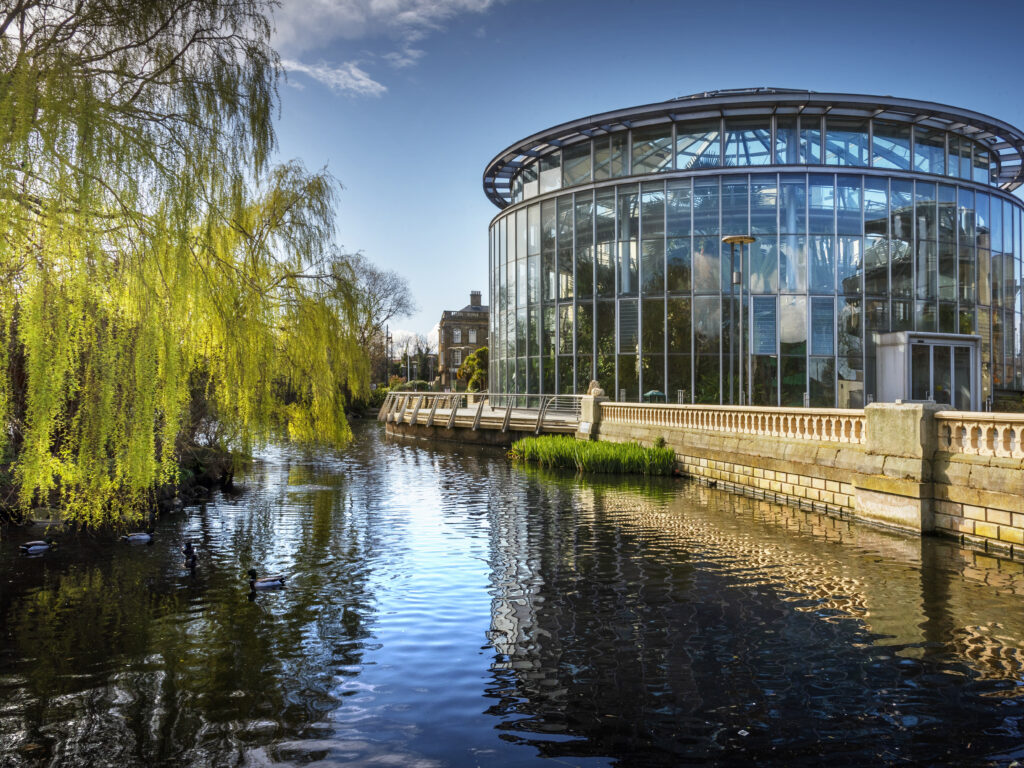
302	26
344	78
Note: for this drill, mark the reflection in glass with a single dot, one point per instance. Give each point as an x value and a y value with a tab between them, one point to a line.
678	265
678	324
849	270
707	325
822	259
763	265
764	204
793	325
787	141
678	386
929	150
846	141
564	234
821	204
653	336
652	149
821	374
652	214
793	381
550	172
764	380
734	205
706	265
698	145
747	142
584	220
890	146
576	164
677	209
848	205
792	263
652	266
810	140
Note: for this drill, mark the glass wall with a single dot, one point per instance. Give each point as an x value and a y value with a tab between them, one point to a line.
753	141
631	285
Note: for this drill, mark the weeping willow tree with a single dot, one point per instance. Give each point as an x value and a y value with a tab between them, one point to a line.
150	254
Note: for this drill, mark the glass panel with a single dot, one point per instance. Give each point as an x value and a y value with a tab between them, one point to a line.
652	149
876	315
810	140
876	206
566	315
679	389
584	372
629	379
929	150
530	187
610	156
763	326
679	326
793	204
629	327
628	250
926	319
677	209
793	325
822	326
966	235
605	332
821	372
734	205
846	141
901	206
550	172
920	372
763	265
947	317
787	142
698	145
576	164
890	146
926	266
794	381
565	243
902	316
821	204
981	164
547	251
962	377
849	265
706	276
565	376
850	361
705	206
584	248
653	326
678	258
652	266
584	329
533	280
652	219
652	379
764	204
707	324
706	384
604	233
822	259
764	380
520	234
942	384
748	142
792	263
848	205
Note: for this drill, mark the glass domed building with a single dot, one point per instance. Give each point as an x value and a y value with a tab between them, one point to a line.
885	258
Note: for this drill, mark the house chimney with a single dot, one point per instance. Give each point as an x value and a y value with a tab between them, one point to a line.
474	298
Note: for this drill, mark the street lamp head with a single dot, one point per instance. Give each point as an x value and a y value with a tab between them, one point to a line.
738	239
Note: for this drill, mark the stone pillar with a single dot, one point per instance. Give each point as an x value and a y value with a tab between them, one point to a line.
590	417
896	489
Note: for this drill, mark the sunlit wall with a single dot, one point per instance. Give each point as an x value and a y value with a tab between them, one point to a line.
608	264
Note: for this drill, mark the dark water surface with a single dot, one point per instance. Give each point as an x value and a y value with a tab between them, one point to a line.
444	608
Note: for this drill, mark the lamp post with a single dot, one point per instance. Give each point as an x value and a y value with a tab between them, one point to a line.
736	278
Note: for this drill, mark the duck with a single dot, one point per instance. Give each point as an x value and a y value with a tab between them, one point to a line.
37	547
191	558
139	537
276	581
187	550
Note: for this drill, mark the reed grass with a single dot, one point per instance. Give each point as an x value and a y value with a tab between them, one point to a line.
562	452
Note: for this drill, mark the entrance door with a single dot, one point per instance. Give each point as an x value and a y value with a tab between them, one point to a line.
942	372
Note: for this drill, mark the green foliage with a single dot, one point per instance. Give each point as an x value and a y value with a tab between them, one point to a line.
416	385
151	258
562	452
473	371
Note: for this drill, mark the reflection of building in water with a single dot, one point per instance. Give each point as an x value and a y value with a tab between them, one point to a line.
629	619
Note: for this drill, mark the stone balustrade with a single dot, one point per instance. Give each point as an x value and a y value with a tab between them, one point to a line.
826	424
981	434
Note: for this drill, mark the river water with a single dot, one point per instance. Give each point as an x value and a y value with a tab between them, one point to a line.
445	608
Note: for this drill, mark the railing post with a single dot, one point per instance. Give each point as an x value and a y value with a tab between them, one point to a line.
508	417
544	401
479	412
455	409
416	409
433	410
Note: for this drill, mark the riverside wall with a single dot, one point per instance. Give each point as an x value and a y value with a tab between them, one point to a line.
907	466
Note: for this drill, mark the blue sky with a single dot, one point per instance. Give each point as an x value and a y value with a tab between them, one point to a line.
405	101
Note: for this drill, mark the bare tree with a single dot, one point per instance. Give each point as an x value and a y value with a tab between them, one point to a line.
382	296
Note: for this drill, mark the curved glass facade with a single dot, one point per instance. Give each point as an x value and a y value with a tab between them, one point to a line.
609	262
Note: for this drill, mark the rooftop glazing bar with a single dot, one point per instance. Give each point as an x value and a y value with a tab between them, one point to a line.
871	216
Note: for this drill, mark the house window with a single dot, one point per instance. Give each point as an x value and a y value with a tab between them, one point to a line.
456	357
456	335
472	335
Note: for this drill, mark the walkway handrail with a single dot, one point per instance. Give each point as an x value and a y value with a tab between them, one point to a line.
981	434
839	425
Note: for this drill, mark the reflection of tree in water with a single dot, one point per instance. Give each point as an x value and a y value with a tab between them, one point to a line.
626	630
207	673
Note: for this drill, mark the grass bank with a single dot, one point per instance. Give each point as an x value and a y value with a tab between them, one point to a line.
562	452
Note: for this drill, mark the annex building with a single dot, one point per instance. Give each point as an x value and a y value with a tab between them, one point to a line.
762	246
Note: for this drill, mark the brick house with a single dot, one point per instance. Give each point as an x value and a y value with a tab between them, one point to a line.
460	333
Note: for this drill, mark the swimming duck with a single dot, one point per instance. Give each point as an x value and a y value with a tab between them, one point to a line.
139	537
37	547
256	581
187	550
191	558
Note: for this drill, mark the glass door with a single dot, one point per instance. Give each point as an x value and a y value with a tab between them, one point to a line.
941	372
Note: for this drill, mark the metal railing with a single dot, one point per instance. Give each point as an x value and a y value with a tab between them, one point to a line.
536	413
